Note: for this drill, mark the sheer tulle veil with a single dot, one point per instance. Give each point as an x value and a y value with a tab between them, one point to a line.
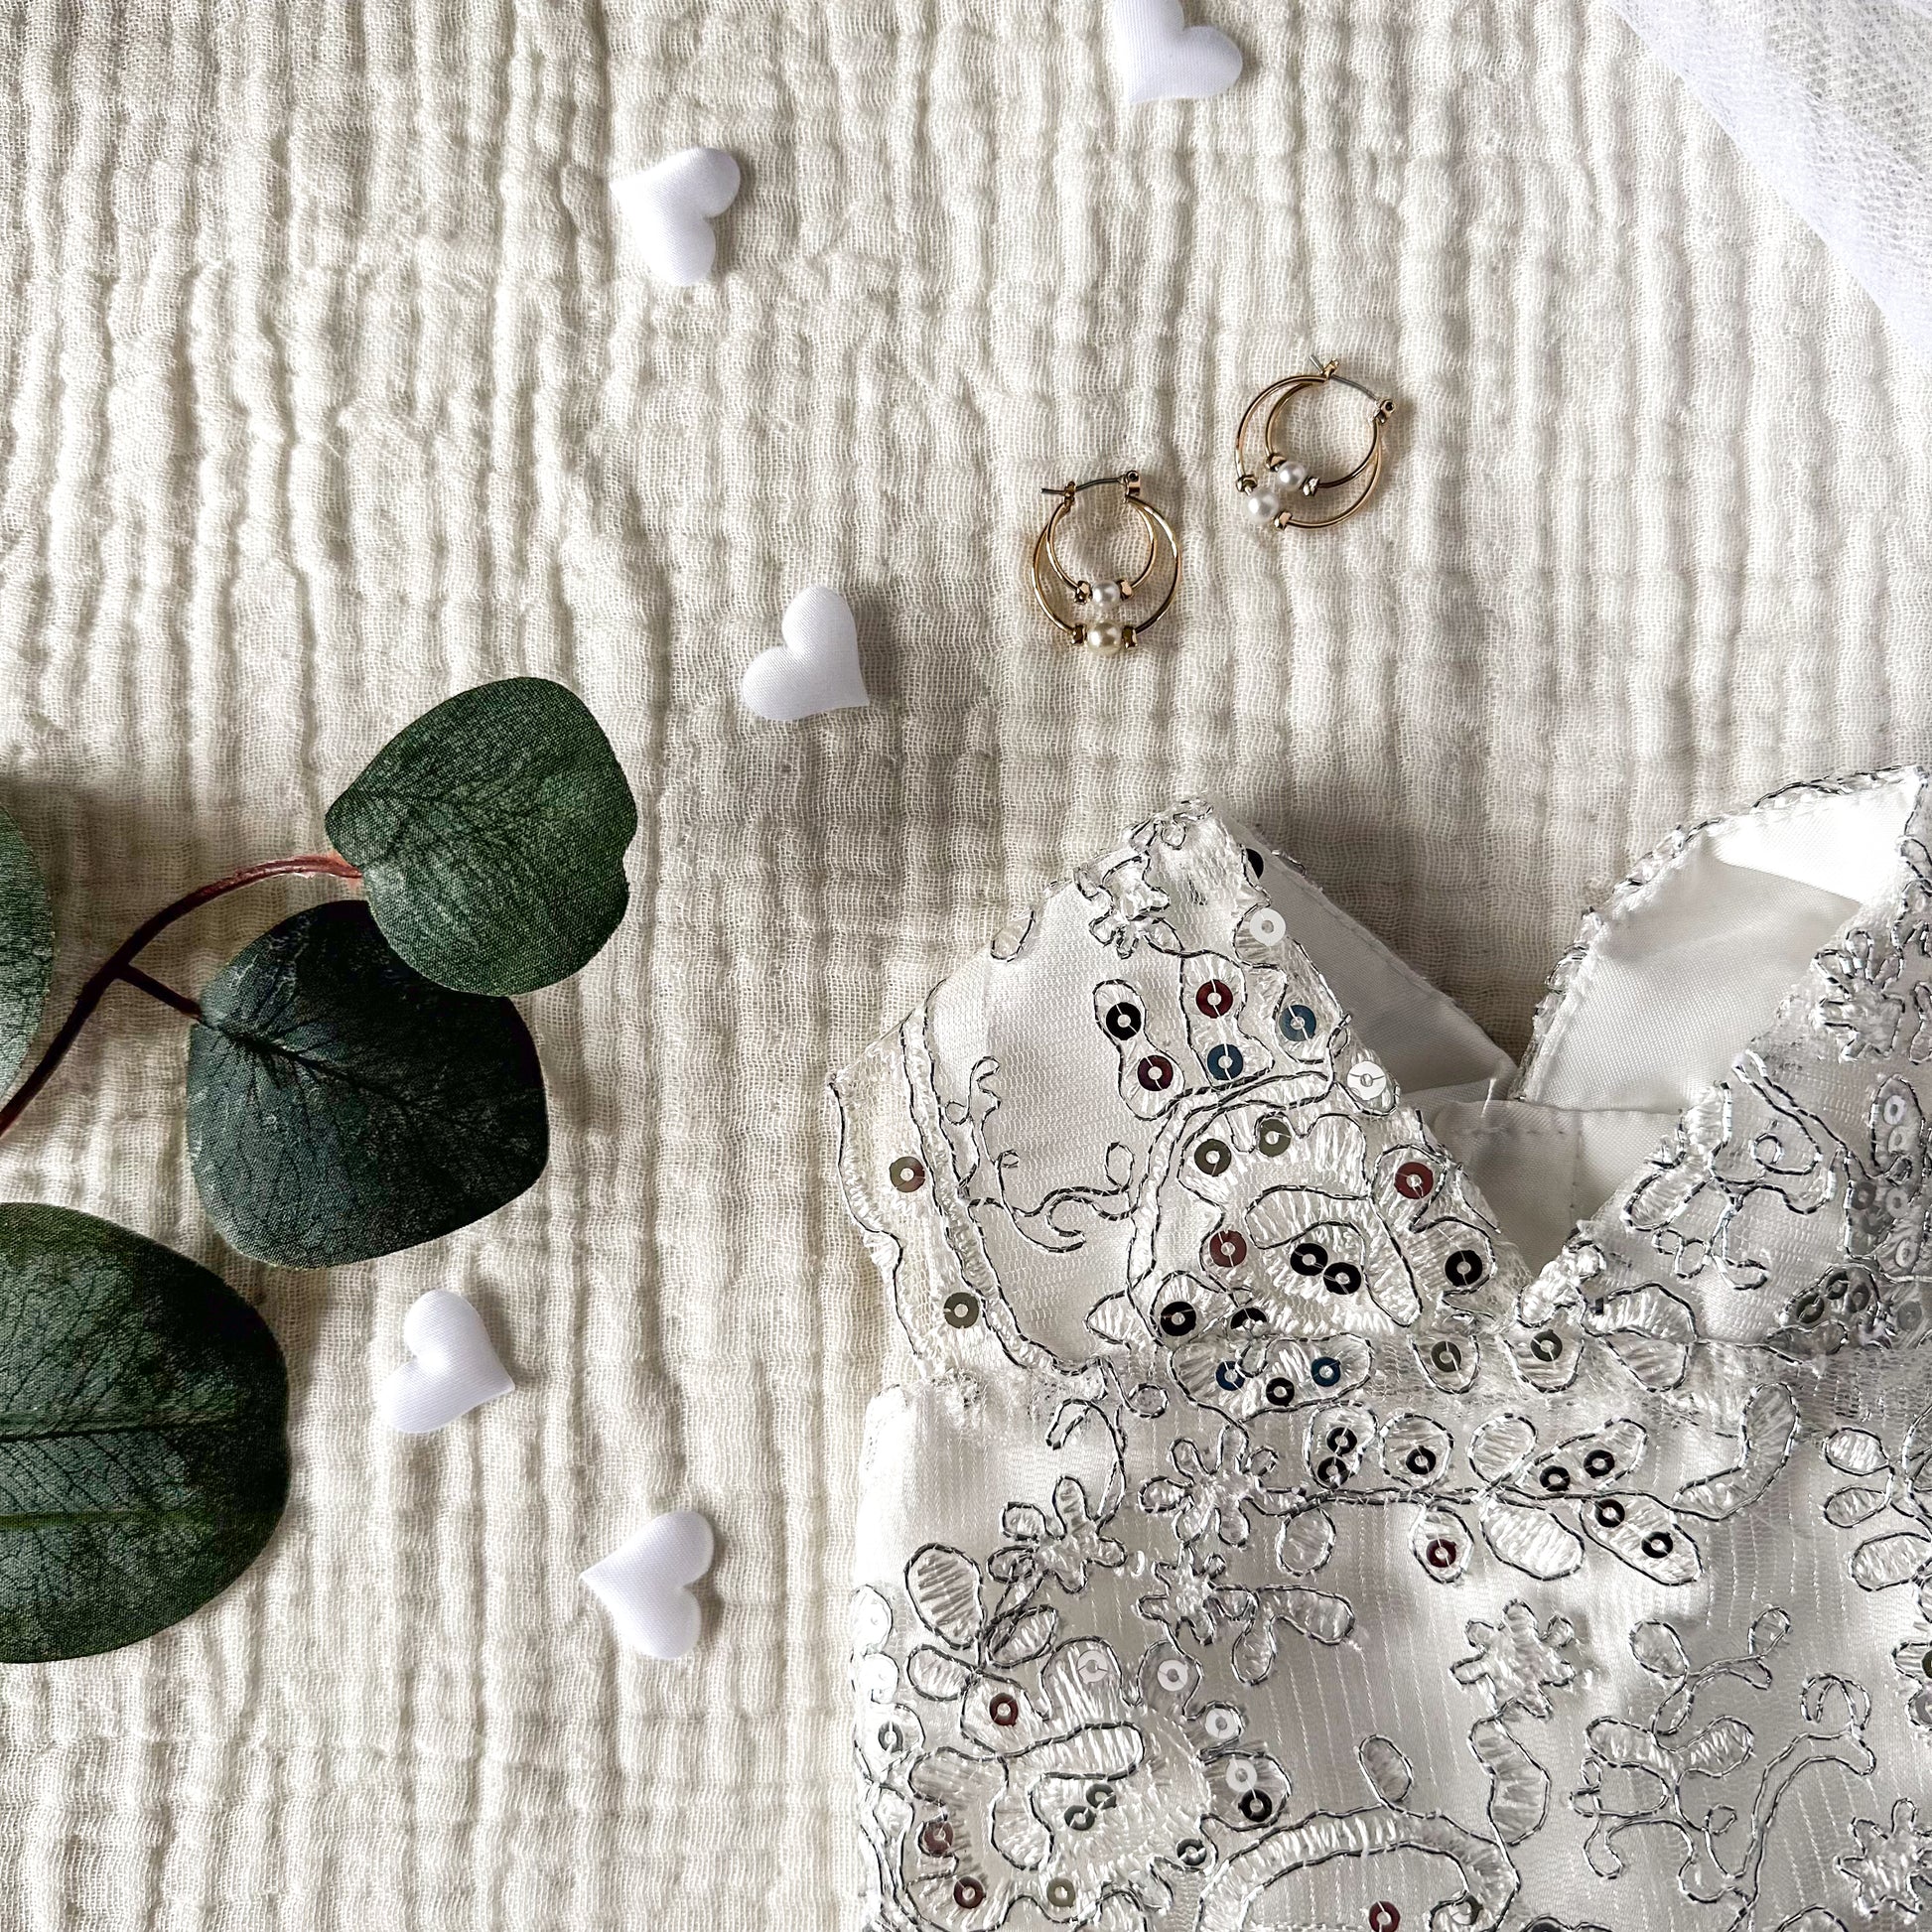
1832	101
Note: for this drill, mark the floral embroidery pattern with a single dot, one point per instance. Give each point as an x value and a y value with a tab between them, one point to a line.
1065	1549
1876	996
1674	1777
1697	1194
1214	1488
1283	1430
1515	1664
1893	1863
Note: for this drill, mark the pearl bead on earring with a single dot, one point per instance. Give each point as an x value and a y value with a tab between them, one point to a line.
1106	634
1281	480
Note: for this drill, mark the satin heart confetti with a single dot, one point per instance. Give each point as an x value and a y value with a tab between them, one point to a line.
669	209
452	1368
645	1584
1159	57
815	669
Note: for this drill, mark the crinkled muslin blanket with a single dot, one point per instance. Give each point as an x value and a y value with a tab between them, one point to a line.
332	385
1267	1525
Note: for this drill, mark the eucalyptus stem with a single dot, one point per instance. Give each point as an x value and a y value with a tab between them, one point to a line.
119	964
160	990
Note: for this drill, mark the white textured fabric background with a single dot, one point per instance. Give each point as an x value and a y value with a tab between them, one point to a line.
328	388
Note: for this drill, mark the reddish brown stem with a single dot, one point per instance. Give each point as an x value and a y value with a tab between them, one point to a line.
119	964
160	990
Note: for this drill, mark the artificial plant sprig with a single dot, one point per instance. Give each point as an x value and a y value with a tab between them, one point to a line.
357	1081
119	969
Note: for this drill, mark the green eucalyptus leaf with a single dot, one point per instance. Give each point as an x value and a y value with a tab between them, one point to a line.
340	1106
491	835
26	949
143	1455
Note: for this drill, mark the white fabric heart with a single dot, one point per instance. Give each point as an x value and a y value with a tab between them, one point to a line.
668	209
1159	57
645	1584
451	1368
815	669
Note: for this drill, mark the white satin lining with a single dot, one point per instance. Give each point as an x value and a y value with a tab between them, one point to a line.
1432	1048
1680	975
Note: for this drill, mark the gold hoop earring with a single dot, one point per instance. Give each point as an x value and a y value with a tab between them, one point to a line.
1105	618
1285	493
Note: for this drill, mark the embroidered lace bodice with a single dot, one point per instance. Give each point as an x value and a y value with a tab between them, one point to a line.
1334	1478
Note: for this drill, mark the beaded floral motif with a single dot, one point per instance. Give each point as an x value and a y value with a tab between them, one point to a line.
1275	1431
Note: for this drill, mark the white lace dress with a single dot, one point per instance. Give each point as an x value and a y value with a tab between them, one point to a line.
1334	1478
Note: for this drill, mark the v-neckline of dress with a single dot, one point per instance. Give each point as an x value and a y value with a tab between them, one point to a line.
1868	834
